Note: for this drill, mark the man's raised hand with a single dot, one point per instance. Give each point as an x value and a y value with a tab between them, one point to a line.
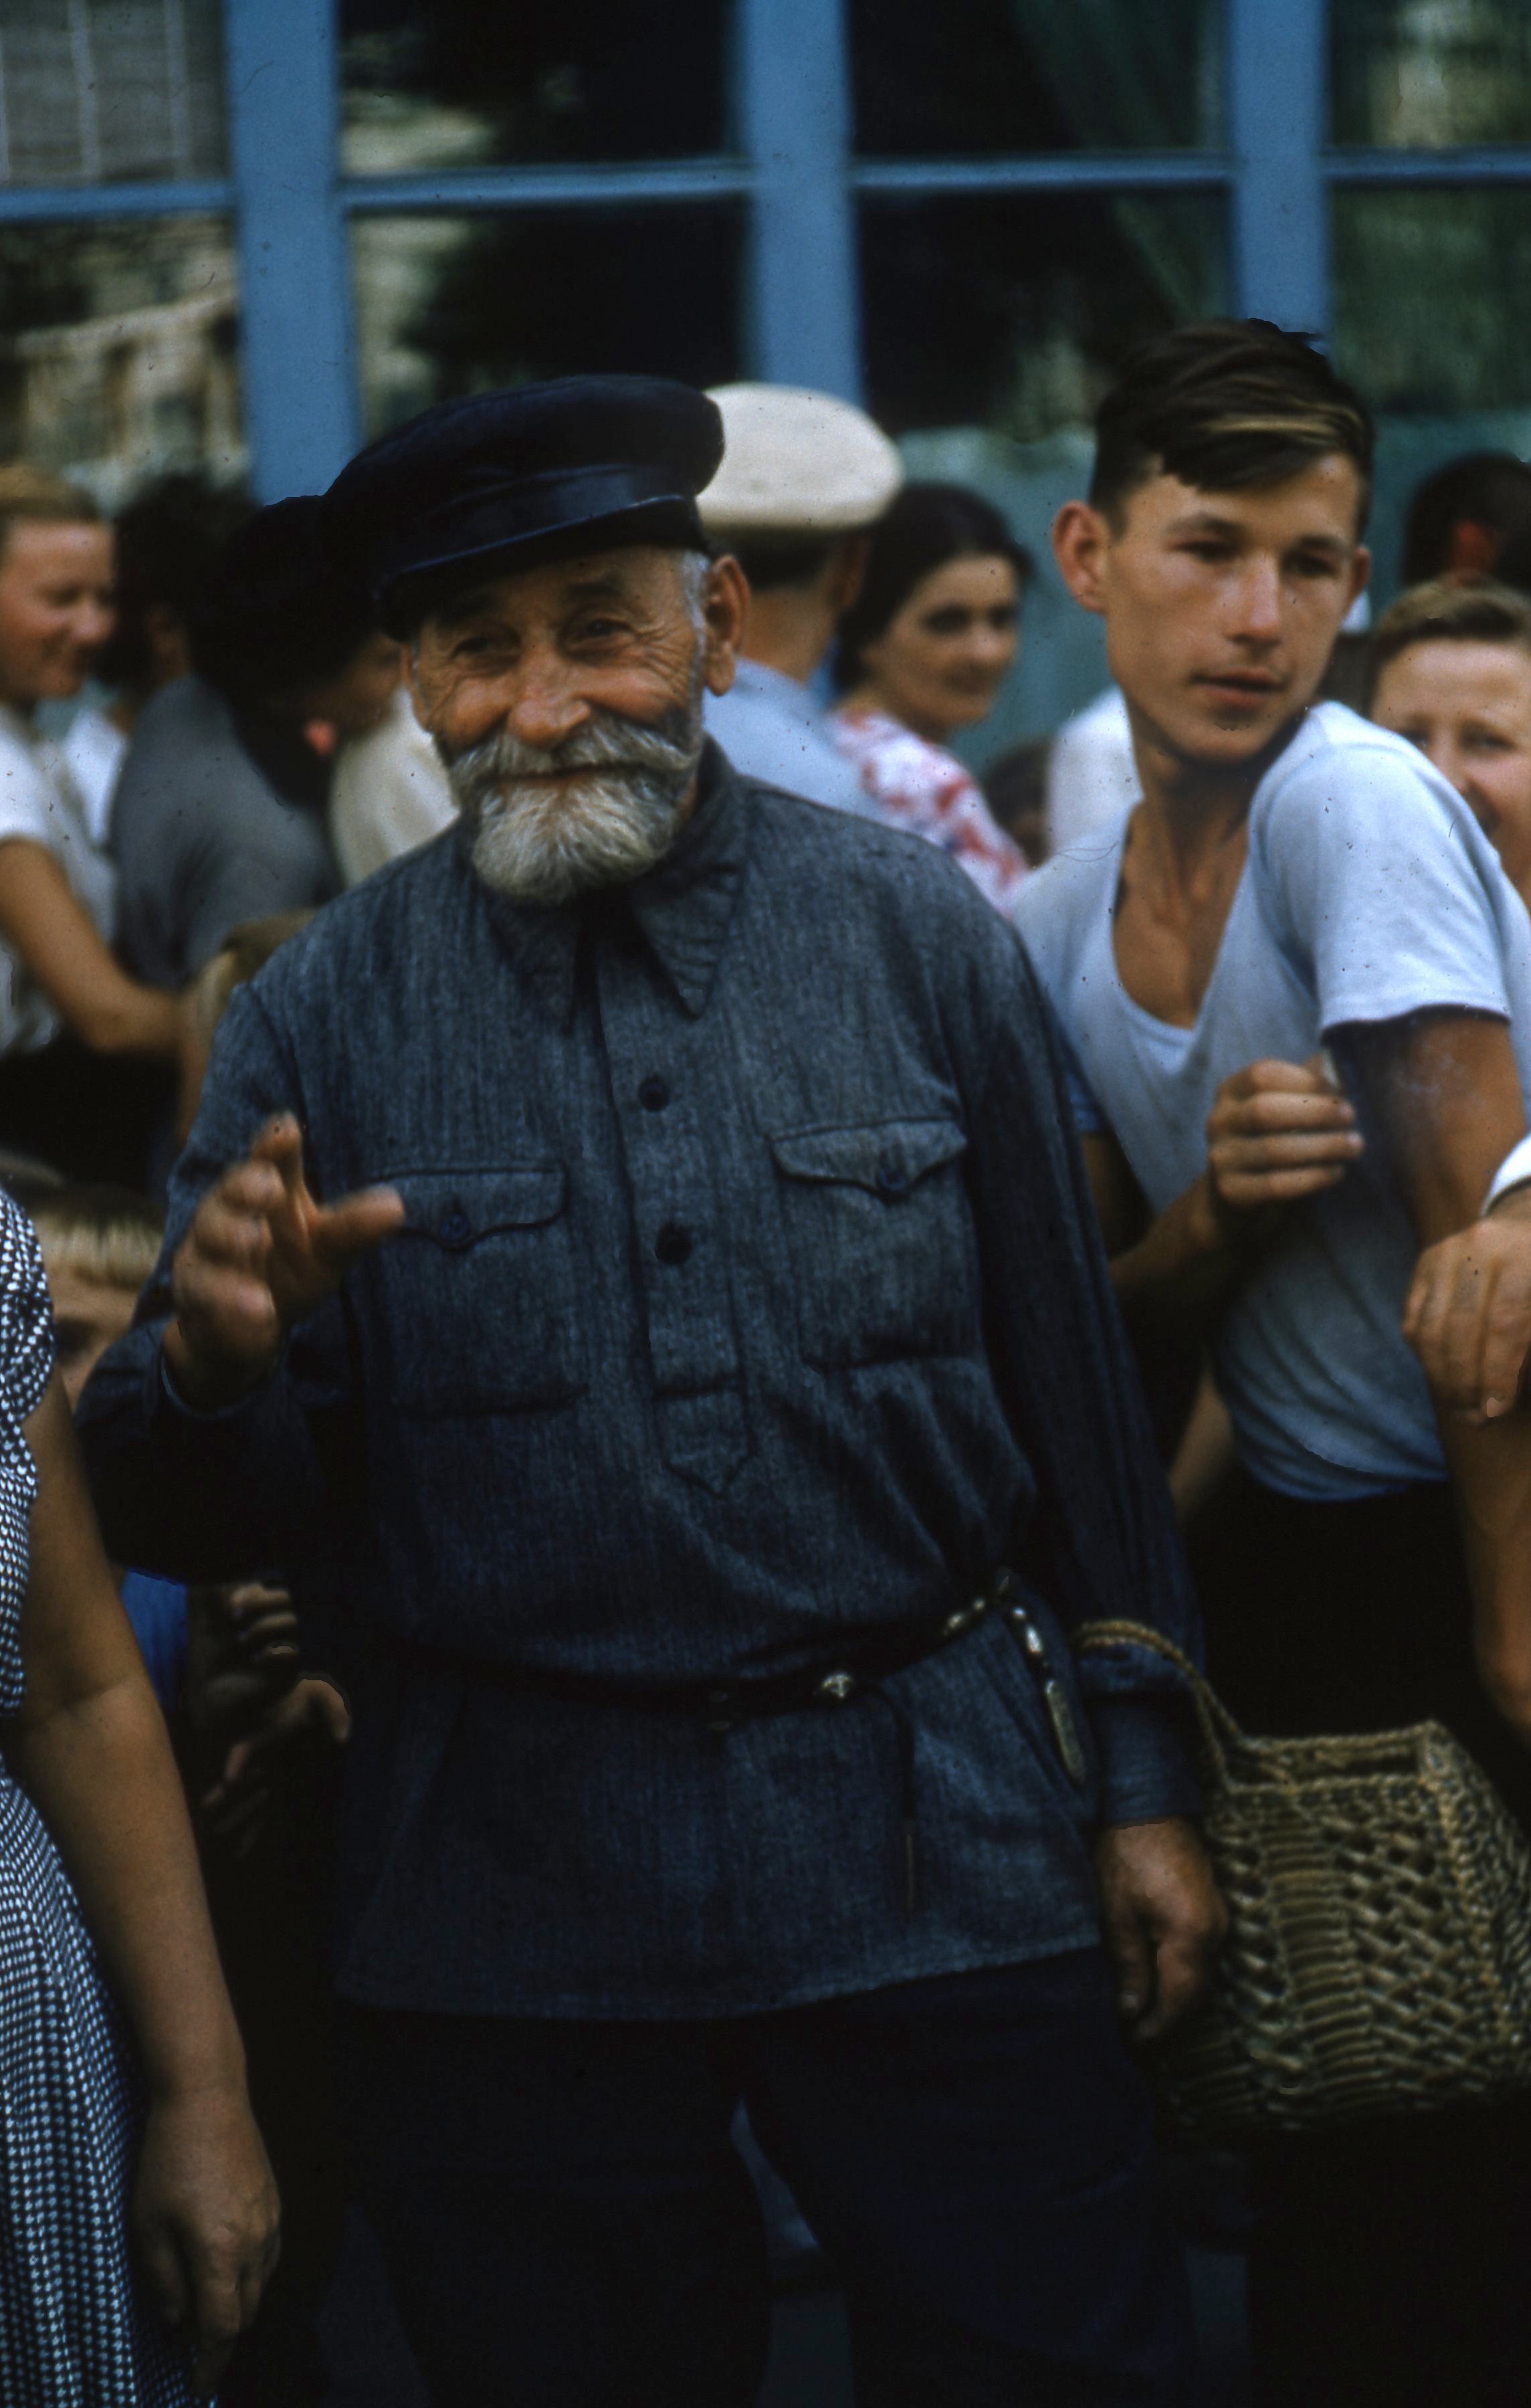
260	1256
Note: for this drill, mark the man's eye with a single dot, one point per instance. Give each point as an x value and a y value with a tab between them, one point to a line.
1315	563
601	630
1208	550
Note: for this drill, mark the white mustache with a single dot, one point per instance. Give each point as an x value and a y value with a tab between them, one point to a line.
607	741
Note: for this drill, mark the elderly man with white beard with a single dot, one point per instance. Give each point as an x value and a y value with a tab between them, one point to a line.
642	1229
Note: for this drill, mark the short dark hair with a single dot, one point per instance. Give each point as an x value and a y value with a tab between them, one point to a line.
1229	402
169	540
283	608
1481	612
772	562
1490	489
923	527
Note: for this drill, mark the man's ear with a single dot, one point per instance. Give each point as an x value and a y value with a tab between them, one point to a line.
1360	575
847	572
726	607
1080	539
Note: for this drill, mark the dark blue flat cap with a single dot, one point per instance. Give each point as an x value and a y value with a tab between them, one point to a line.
505	480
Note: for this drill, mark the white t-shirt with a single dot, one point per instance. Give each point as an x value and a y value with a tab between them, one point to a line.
389	793
1370	892
1091	778
93	753
37	800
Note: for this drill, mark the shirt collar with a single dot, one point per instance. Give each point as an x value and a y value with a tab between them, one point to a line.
682	906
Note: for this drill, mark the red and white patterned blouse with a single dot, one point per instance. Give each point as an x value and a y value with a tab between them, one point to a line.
926	790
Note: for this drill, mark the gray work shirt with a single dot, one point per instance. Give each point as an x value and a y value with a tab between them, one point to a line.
751	1297
203	839
772	728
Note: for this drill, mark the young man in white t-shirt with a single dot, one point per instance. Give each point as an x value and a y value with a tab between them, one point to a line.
1298	988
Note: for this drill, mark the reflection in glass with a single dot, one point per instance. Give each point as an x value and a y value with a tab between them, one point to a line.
454	305
1426	74
988	76
454	83
1012	312
120	354
1429	298
100	91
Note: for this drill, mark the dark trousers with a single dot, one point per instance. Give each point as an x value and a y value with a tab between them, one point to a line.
567	2225
1388	2266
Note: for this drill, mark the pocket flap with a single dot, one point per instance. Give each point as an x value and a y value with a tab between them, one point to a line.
886	1157
457	1207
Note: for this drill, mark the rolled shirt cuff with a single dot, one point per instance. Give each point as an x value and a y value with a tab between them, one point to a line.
1514	1171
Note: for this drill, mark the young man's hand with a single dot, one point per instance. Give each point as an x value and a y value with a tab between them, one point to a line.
1468	1314
1278	1132
260	1255
1163	1917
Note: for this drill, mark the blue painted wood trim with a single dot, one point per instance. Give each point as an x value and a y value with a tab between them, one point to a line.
794	81
1402	167
300	394
1278	95
519	188
1069	171
61	204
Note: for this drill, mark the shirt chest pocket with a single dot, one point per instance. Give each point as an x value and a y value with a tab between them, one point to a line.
882	1239
480	1294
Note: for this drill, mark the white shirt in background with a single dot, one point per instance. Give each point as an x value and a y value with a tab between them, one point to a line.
389	793
93	753
1092	779
38	802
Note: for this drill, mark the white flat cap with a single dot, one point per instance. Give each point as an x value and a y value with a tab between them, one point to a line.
797	463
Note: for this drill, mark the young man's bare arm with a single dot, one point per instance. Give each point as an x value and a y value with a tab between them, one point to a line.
1445	1090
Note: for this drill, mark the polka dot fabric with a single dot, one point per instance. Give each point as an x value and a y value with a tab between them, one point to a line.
74	2333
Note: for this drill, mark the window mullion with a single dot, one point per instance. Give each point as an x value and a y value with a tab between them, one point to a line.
795	114
1277	84
299	377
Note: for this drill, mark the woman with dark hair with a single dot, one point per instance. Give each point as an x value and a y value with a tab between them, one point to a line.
923	651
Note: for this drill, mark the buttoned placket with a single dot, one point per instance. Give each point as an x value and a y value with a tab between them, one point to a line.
658	1056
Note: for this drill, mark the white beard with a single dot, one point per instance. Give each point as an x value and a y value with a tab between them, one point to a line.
544	844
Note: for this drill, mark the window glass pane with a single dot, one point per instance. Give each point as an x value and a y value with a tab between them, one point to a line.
1425	74
456	83
101	91
1014	310
1429	298
987	75
992	326
454	305
119	355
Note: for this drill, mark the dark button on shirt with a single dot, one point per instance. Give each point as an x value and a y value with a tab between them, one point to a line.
545	1448
654	1093
673	1245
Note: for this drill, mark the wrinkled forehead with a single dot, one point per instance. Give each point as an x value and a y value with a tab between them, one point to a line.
646	578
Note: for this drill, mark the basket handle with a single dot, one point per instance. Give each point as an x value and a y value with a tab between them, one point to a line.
1219	1729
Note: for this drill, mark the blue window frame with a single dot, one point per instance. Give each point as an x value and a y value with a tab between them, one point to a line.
793	173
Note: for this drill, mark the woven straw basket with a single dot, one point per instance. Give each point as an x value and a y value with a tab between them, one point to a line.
1379	1952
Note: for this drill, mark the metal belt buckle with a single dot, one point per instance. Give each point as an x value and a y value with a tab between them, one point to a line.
836	1688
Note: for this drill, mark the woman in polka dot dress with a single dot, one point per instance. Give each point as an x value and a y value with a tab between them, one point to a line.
137	2216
